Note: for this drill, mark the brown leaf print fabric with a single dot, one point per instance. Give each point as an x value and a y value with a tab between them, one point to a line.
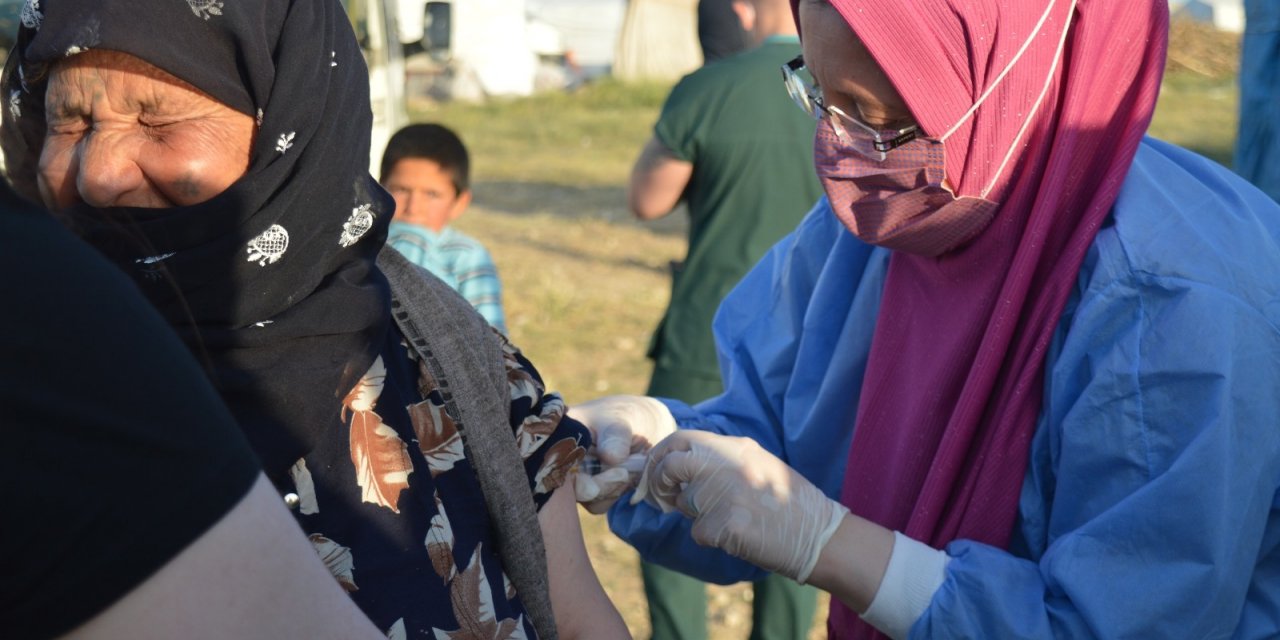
379	455
438	436
440	542
394	504
397	631
337	559
305	487
560	460
522	380
534	431
472	601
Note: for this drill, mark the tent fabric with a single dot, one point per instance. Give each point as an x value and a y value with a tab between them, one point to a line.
659	40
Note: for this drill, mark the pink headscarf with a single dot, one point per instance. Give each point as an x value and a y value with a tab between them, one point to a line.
954	382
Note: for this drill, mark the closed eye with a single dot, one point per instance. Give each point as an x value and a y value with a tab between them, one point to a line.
68	124
157	130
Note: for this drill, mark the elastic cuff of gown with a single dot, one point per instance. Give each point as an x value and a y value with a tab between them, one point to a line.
915	573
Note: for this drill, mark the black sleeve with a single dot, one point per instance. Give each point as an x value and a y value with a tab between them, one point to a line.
116	453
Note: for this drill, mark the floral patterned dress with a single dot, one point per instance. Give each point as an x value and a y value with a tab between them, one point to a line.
395	510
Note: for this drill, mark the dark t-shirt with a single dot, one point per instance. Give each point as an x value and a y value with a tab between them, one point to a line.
752	182
116	452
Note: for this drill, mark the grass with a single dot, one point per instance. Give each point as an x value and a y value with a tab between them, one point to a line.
585	284
1199	112
583	139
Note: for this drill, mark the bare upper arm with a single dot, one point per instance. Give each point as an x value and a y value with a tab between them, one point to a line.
253	575
658	179
581	607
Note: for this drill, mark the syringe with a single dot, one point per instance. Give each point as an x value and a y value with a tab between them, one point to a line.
591	465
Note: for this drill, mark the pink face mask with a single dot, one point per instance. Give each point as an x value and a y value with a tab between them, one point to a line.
899	202
888	187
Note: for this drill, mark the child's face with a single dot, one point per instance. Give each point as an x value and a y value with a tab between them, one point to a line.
424	193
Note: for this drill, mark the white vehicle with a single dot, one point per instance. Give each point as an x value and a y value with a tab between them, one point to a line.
376	28
473	49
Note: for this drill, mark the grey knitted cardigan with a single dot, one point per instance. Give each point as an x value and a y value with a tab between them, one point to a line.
464	356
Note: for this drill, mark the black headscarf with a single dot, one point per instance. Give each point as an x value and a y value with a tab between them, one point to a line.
271	283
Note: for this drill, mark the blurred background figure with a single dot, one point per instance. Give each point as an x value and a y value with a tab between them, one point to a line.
720	32
1257	154
427	170
746	186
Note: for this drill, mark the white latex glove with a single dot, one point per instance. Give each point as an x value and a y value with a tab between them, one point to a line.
743	500
621	427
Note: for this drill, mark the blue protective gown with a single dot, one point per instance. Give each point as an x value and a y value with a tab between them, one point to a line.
1257	153
1149	508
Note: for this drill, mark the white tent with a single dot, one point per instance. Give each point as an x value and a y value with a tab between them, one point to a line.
489	37
659	40
589	27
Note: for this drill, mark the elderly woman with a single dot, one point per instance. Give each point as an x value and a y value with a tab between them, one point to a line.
1016	375
217	152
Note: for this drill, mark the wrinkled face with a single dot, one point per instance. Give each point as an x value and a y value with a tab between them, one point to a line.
849	77
122	132
425	194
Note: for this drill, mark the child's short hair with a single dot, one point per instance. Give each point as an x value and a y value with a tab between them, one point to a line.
430	142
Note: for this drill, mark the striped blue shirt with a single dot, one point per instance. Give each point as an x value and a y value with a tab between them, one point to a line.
459	260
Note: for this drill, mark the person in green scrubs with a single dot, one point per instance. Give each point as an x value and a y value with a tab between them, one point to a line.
746	185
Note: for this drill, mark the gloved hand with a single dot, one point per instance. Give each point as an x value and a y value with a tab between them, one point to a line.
743	500
620	427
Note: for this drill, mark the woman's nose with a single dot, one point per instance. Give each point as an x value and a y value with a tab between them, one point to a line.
108	173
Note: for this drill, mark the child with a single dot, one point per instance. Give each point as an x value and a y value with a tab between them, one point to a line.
427	171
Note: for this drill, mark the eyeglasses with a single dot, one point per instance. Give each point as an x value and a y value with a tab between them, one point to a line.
872	143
